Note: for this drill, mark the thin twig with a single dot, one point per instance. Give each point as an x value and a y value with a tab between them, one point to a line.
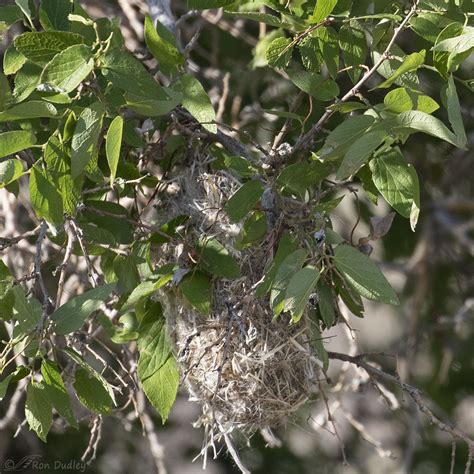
38	273
413	392
63	266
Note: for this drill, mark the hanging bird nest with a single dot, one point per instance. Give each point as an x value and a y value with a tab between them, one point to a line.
248	371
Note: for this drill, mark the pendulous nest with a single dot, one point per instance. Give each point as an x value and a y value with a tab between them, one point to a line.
248	371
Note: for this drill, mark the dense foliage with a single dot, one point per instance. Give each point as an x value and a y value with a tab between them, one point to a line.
95	134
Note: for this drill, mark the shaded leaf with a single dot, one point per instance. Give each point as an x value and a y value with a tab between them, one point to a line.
288	267
393	178
286	246
38	409
196	100
72	315
243	200
45	198
57	392
157	368
91	392
215	259
363	275
86	135
113	144
167	55
68	68
299	289
410	63
360	152
41	47
29	110
15	141
10	170
197	290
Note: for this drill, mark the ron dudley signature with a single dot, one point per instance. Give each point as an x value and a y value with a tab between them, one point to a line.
34	462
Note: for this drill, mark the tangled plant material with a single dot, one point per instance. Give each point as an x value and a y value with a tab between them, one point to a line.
248	371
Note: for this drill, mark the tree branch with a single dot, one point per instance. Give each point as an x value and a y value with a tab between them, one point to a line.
413	392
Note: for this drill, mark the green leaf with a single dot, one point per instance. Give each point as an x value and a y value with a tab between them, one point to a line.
326	304
298	177
353	44
318	346
454	111
286	246
363	275
416	121
153	344
113	144
12	60
428	25
41	47
157	369
27	312
403	99
129	74
26	80
410	63
215	258
10	170
289	266
340	139
91	392
72	315
458	44
53	14
161	388
153	106
266	18
279	52
29	110
126	270
300	287
86	135
72	354
56	391
68	68
18	374
5	92
206	4
389	66
359	152
325	207
168	56
392	176
442	59
197	290
25	7
58	164
10	14
143	94
243	200
196	100
13	142
45	198
38	409
310	52
314	84
322	10
254	229
112	217
329	46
